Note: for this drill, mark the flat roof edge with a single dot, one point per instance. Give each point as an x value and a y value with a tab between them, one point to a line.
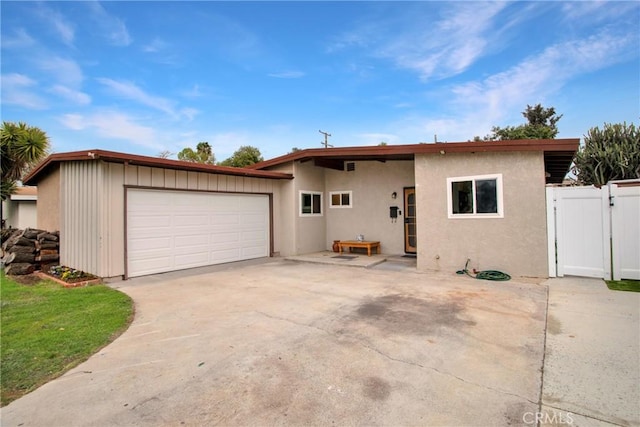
134	159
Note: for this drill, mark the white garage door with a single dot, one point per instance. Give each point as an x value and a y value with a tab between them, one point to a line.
174	230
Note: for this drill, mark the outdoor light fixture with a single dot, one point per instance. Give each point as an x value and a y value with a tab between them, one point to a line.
394	195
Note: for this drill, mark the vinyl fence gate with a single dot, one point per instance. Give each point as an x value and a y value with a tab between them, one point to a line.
595	232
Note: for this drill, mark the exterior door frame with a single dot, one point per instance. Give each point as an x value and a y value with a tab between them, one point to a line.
410	226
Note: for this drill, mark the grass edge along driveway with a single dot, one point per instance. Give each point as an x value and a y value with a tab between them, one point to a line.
47	329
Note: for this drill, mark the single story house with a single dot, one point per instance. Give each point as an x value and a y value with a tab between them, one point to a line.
128	215
19	210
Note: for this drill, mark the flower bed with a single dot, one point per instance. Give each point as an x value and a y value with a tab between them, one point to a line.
70	277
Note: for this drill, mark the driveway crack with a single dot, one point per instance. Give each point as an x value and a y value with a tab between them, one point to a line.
448	374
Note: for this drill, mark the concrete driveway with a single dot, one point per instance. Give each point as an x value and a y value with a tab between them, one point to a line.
301	344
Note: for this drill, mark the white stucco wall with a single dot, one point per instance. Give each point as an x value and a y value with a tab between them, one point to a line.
20	214
371	184
310	231
515	244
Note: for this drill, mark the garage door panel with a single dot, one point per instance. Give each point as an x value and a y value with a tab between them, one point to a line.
217	239
252	218
192	260
191	240
191	250
169	230
149	221
225	255
254	252
149	243
198	220
225	219
252	235
148	266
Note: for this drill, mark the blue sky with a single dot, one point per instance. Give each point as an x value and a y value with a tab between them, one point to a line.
143	77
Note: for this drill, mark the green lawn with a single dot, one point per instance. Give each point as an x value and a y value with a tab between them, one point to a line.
624	285
47	329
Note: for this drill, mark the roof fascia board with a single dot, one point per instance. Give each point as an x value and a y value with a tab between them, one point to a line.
545	145
115	157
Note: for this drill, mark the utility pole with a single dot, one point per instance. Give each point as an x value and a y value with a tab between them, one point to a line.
326	139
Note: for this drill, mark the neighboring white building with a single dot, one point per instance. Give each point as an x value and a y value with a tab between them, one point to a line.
20	210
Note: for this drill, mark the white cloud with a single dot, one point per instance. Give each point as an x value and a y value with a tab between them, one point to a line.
476	106
588	12
20	40
434	47
193	92
15	79
73	121
16	90
543	74
114	125
226	143
64	29
155	46
130	91
189	113
292	74
72	95
64	71
112	27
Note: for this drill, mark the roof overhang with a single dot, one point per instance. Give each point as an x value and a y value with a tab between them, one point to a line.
25	193
114	157
558	153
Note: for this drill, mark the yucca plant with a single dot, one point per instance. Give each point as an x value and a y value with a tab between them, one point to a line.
21	147
612	153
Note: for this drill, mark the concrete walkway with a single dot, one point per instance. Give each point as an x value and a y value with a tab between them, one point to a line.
592	357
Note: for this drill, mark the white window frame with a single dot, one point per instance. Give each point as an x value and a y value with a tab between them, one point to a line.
340	206
312	193
473	179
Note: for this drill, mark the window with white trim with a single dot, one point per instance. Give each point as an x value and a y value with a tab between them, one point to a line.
340	199
310	203
477	196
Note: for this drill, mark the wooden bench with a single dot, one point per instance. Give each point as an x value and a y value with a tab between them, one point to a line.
357	244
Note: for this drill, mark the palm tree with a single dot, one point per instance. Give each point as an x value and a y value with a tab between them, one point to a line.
21	148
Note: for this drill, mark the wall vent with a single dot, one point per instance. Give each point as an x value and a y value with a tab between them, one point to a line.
351	166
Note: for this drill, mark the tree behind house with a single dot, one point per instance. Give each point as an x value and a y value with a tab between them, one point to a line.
244	156
202	154
541	124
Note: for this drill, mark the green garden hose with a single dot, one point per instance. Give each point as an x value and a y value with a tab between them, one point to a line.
486	274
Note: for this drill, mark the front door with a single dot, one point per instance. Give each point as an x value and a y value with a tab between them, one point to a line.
410	238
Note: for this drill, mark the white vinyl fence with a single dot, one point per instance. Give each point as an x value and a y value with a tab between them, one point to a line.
595	232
